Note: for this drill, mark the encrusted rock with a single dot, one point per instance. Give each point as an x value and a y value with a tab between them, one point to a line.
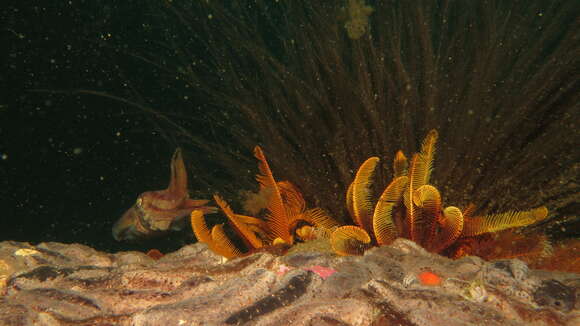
71	284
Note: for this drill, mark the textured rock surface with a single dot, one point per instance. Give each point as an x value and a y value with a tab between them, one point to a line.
61	284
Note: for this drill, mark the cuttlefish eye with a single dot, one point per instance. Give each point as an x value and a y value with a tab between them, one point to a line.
139	202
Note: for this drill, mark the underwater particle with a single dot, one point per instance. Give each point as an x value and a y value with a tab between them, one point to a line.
429	278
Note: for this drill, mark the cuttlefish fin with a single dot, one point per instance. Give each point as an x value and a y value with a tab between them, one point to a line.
178	180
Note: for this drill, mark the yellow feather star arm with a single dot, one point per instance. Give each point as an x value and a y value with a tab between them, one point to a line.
419	174
254	224
426	155
319	218
498	222
468	211
350	240
408	199
361	193
277	218
222	245
400	164
292	199
383	226
451	228
199	227
249	219
428	213
323	233
349	203
217	241
247	235
422	163
308	232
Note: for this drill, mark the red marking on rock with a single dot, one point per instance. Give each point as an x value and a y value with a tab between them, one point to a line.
322	271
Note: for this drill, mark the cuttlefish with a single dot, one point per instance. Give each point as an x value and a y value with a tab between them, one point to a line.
158	212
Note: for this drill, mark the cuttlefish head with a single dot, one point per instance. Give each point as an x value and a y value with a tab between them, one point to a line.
158	212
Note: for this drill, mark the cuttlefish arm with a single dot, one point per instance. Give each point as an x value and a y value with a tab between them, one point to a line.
157	212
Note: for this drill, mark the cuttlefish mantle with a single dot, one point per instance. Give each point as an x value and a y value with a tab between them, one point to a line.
158	212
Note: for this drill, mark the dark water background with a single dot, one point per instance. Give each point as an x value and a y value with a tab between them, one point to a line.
71	163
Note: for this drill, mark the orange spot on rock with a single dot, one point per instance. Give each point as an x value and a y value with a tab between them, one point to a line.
429	278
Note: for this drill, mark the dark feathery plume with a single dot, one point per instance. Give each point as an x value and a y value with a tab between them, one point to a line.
323	85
